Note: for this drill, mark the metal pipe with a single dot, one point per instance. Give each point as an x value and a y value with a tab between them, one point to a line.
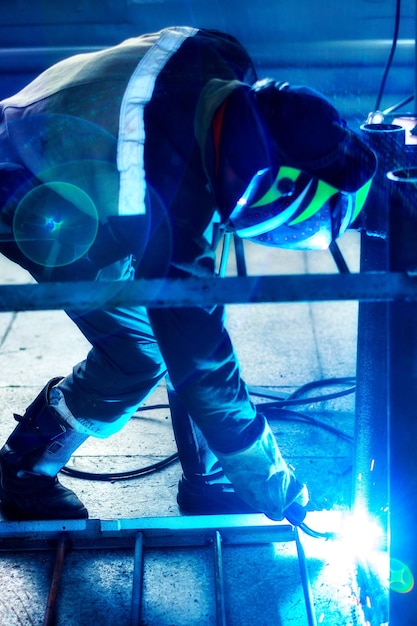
305	581
403	396
370	474
386	343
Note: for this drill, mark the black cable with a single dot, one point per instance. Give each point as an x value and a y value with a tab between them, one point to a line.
283	414
295	416
293	399
128	475
323	382
150	407
391	55
277	405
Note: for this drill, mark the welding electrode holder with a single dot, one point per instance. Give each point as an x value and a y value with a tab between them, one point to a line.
295	514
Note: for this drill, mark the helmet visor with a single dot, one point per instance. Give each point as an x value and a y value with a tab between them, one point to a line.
293	209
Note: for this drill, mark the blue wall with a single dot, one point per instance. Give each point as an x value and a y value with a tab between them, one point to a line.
336	46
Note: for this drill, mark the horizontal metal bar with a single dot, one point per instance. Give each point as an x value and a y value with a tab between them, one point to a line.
160	293
157	532
333	53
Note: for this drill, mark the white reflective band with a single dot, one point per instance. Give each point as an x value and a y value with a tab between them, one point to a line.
131	141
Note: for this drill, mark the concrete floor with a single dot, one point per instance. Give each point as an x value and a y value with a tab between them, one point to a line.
281	347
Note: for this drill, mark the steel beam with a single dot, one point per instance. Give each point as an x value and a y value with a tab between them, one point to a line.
156	532
84	296
385	463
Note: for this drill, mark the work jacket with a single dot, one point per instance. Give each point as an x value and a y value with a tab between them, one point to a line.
134	135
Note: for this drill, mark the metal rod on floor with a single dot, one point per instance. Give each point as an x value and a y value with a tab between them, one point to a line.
219	579
225	254
50	611
305	581
137	582
240	256
338	258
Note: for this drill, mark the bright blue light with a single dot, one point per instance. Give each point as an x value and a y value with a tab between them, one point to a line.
401	577
52	224
362	533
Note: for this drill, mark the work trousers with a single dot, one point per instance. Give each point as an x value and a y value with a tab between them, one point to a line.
122	368
125	364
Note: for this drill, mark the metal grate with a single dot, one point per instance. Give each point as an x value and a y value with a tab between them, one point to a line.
211	532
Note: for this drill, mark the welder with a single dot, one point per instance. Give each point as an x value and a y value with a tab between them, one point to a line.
115	165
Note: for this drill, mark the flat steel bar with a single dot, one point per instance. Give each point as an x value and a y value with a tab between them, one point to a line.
219	579
51	605
160	293
137	582
157	532
305	581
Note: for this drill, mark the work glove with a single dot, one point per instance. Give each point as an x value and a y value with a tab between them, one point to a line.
262	478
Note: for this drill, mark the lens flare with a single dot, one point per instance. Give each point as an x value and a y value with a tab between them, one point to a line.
55	224
401	577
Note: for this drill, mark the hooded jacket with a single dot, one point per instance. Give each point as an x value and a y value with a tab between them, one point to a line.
138	129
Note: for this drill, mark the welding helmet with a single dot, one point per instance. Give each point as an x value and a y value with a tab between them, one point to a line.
321	178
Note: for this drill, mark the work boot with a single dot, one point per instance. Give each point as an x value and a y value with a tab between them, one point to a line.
203	488
38	448
259	472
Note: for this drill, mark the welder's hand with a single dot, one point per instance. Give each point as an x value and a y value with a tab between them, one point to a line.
261	477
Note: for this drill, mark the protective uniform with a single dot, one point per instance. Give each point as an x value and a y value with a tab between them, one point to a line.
117	160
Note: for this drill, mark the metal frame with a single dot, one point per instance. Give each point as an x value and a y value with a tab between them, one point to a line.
163	293
384	288
212	531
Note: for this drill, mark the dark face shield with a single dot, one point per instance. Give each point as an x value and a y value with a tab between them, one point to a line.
292	209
